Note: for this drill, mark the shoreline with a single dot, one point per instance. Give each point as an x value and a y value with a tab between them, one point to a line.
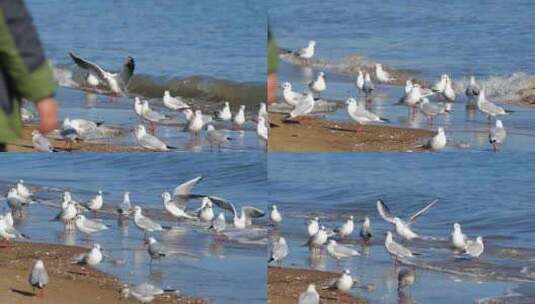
69	283
313	134
286	284
24	144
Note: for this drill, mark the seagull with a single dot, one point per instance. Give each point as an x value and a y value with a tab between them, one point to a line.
382	75
38	277
7	231
138	106
317	86
310	296
144	292
448	92
472	89
403	228
225	114
307	52
189	114
68	214
440	86
366	230
95	203
431	110
216	137
438	141
149	141
304	107
414	97
368	87
69	134
22	190
497	135
174	208
262	111
290	97
17	202
359	83
174	103
338	251
488	108
219	223
239	118
89	226
81	126
155	249
125	207
196	123
91	258
275	215
346	229
262	129
279	251
244	218
151	115
313	226
344	283
117	82
475	248
359	113
458	238
41	143
396	251
206	212
406	91
144	223
318	239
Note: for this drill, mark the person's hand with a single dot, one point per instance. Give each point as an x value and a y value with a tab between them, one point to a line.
48	113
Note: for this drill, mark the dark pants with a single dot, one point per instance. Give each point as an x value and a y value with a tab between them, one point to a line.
2	147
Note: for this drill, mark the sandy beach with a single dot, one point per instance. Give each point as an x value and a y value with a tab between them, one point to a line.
318	135
68	283
286	284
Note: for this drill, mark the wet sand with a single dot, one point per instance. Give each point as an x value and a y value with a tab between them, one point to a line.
314	134
24	144
68	283
286	284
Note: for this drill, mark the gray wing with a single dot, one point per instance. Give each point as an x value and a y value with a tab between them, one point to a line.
154	116
42	143
157	249
152	142
146	222
94	225
489	107
217	136
93	68
430	108
127	70
38	278
398	249
224	204
185	189
279	250
384	211
345	250
302	108
412	219
252	212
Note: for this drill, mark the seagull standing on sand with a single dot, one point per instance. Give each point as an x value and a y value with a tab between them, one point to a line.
144	292
275	215
38	277
438	141
174	103
279	251
359	113
310	296
338	251
382	75
475	248
366	230
239	118
402	227
290	97
225	114
307	52
41	143
344	283
346	229
149	141
117	82
458	238
91	258
304	107
319	85
497	135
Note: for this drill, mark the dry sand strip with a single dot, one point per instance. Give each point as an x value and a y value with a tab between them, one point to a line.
24	144
286	284
319	135
68	283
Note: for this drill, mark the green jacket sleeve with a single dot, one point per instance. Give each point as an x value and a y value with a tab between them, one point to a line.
22	57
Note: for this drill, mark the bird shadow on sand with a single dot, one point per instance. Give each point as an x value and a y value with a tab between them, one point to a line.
24	293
